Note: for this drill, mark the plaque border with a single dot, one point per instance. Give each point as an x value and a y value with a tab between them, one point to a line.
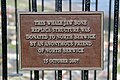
63	13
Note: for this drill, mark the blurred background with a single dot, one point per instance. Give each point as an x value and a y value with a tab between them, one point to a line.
50	6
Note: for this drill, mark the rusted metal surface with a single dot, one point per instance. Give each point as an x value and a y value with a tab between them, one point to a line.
88	56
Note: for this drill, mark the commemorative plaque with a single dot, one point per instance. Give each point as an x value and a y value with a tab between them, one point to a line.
62	40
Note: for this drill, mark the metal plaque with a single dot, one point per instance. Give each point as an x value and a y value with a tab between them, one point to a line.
61	40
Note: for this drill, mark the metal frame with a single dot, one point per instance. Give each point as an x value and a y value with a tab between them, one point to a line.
33	7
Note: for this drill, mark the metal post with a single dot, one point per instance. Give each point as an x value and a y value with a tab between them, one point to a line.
31	75
115	39
87	5
70	5
95	75
96	5
29	5
34	5
42	11
59	74
83	2
109	30
82	72
36	75
87	8
42	74
82	75
55	75
34	9
42	5
30	11
85	74
58	5
4	39
96	8
17	67
70	75
58	8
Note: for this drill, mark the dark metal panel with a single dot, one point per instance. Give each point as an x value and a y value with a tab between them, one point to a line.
4	39
115	39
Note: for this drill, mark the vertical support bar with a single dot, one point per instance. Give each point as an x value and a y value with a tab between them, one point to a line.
87	5
82	75
70	73
96	9
109	30
29	5
42	5
42	11
36	75
16	38
42	74
31	75
4	39
70	5
59	74
58	5
55	75
34	9
115	39
34	5
85	74
96	6
83	2
82	72
95	75
87	8
58	8
30	11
